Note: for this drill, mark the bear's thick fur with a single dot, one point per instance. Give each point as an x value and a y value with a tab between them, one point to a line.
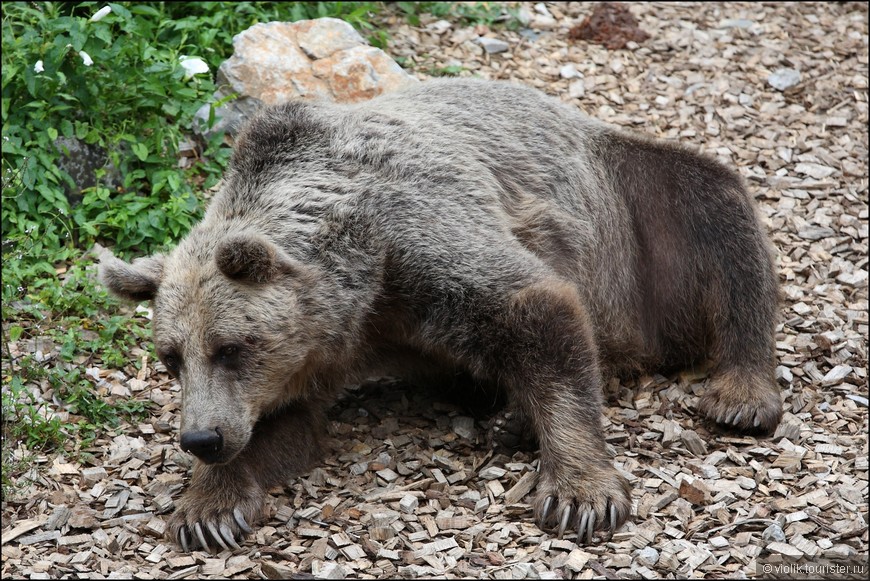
456	225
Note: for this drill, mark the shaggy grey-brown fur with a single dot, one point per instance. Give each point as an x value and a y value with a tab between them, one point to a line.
455	226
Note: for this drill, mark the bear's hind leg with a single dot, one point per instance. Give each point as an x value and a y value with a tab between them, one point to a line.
741	306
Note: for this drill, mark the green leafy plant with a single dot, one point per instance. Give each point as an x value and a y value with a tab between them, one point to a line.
448	71
107	83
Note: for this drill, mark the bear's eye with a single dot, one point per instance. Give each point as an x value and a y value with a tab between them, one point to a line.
172	361
228	355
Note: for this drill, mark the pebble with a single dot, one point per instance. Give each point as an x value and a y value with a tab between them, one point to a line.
577	89
544	22
648	556
783	79
773	533
493	45
440	26
568	71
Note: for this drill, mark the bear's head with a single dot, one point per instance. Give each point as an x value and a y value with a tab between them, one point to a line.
234	322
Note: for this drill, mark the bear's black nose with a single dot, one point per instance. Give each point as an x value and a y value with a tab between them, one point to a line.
204	444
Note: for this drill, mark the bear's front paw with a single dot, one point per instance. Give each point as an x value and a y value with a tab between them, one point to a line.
598	499
748	404
203	518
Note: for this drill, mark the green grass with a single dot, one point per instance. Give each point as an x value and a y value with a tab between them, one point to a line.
72	314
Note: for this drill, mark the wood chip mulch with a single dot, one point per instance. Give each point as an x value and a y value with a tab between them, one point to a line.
410	488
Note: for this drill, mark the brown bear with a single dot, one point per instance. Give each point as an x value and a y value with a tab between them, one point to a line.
456	225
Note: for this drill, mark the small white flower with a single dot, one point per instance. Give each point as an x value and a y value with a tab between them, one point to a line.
193	65
38	68
101	13
86	58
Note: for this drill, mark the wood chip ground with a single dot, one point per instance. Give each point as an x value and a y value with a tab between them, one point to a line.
410	489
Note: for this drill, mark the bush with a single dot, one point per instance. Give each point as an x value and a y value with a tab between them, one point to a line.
110	83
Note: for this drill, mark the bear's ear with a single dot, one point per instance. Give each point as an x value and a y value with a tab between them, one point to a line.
137	281
250	258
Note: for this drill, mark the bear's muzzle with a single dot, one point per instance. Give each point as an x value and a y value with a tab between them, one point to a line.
206	445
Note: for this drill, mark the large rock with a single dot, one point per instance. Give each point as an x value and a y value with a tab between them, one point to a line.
278	61
81	161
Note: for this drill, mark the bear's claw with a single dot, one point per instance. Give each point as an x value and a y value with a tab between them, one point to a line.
199	524
240	520
228	535
198	530
221	534
601	506
585	520
182	539
747	404
216	535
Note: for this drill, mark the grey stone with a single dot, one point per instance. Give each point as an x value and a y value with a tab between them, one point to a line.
493	45
577	89
569	71
648	556
530	34
783	79
524	15
81	161
773	533
229	117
